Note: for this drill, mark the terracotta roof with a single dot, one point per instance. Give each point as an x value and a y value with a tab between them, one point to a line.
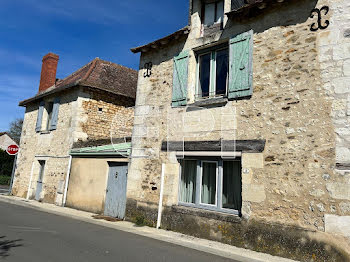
163	41
98	74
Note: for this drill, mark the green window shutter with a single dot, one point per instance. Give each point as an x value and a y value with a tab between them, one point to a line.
40	116
180	78
55	110
241	66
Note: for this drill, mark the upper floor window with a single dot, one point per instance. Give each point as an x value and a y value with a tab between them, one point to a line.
213	73
47	115
223	70
49	108
213	12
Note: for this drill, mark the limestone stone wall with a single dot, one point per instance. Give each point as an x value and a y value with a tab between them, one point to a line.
294	181
104	115
83	114
53	147
334	57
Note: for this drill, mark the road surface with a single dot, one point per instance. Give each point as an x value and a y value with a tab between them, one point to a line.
30	235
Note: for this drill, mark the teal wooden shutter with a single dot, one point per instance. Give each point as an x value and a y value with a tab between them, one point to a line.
40	116
241	66
180	78
55	110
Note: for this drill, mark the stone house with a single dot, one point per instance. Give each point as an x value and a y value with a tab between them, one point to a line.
241	128
93	105
5	141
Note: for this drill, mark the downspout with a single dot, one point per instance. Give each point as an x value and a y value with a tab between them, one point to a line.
30	181
160	207
67	181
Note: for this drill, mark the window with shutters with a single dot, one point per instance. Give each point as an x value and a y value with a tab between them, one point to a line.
211	184
49	108
213	73
47	116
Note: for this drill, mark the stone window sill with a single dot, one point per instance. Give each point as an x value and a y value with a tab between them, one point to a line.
45	132
227	217
209	102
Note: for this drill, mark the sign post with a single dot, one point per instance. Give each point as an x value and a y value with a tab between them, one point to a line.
12	150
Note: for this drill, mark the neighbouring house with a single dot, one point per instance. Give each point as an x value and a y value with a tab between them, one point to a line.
93	106
6	141
241	128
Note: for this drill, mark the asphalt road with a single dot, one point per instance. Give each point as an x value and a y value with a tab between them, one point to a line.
30	235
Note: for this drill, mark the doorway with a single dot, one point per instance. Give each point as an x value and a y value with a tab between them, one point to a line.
39	184
115	202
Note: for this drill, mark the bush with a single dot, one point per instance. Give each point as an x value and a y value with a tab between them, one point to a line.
6	163
5	180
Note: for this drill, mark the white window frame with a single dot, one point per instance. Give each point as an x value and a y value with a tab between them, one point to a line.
218	207
212	76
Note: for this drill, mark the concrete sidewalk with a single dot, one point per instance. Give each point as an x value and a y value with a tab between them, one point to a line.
203	245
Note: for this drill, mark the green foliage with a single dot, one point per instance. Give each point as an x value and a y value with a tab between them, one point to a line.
5	180
140	220
16	129
6	163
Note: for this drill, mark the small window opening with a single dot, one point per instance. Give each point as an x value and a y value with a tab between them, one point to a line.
213	73
49	110
213	13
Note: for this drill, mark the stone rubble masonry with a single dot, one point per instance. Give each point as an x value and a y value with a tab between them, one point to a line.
51	146
294	107
106	115
79	119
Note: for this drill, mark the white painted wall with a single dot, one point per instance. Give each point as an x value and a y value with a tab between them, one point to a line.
6	141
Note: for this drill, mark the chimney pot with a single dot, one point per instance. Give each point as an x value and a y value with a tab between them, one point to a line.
48	71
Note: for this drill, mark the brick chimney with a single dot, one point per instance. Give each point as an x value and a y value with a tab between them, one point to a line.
48	71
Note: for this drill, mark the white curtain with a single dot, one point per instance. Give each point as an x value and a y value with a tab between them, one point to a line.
188	181
208	193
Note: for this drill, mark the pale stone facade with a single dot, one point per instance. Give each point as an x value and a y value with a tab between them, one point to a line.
299	106
6	141
80	119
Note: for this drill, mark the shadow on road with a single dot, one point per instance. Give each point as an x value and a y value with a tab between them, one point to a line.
7	245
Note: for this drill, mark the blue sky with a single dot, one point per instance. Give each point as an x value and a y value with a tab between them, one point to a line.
78	31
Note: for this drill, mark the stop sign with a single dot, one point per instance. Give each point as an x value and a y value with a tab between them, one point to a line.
12	150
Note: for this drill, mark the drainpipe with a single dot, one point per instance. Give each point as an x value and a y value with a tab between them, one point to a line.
30	181
67	181
161	197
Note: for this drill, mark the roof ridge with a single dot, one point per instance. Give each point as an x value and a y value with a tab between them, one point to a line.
115	64
88	73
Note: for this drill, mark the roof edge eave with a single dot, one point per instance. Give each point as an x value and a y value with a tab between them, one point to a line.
162	41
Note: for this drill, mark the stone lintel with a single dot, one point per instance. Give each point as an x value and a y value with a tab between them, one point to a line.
246	146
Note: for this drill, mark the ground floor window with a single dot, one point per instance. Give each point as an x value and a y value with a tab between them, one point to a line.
211	184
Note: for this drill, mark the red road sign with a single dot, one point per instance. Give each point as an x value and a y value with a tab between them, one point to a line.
12	150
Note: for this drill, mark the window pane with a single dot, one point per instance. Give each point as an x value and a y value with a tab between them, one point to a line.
41	171
49	115
232	185
221	71
209	14
219	12
208	194
204	74
188	181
